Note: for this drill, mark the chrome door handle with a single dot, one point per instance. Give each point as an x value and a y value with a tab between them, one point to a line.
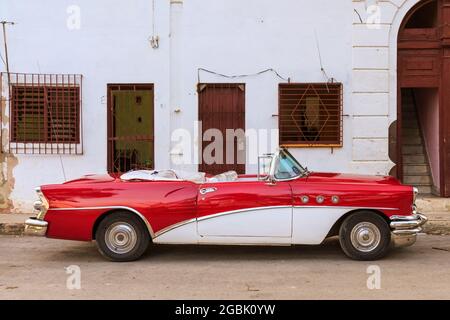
207	190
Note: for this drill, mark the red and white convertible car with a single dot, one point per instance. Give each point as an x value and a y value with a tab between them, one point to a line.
283	205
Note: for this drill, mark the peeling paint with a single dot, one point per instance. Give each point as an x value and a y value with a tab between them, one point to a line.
7	161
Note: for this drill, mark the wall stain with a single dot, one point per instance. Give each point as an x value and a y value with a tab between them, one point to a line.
8	161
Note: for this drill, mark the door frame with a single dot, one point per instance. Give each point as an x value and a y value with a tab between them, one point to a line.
110	87
440	43
202	86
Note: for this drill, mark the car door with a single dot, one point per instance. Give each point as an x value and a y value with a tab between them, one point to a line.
244	212
314	212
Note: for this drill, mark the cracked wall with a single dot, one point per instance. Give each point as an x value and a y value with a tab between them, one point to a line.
7	161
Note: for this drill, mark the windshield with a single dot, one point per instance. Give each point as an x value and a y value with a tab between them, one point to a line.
287	167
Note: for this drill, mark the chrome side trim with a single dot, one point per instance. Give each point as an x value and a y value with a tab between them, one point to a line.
350	208
140	215
174	226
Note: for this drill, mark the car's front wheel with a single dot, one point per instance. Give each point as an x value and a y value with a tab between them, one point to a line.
365	235
122	236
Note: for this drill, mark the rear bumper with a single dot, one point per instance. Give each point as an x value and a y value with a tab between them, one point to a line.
35	227
405	229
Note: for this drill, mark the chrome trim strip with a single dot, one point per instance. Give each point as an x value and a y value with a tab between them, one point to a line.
140	215
174	226
407	231
350	208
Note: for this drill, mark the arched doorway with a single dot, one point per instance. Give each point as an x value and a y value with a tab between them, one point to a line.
423	119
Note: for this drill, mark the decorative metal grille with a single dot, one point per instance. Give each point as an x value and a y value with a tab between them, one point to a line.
45	113
310	114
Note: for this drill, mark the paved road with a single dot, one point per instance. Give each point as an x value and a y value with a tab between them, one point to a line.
34	268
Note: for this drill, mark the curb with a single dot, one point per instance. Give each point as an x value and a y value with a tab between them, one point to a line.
12	229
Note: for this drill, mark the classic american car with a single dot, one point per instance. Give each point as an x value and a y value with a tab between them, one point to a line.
284	204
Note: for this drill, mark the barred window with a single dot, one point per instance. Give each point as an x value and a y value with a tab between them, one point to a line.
45	113
310	114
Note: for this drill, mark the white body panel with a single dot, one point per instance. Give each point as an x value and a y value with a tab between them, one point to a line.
260	222
184	234
261	226
311	225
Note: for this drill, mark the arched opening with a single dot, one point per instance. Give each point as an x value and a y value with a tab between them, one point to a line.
423	124
424	17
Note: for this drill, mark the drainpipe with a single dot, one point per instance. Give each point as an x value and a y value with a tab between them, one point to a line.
176	76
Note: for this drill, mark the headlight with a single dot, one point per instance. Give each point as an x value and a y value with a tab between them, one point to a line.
415	193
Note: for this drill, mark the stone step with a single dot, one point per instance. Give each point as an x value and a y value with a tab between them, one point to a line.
417	140
414	159
416	169
407	132
423	180
410	125
412	149
424	189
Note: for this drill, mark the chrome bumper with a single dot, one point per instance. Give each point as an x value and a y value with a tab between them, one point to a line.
35	227
406	228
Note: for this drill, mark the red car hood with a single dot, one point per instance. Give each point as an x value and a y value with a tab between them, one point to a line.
324	177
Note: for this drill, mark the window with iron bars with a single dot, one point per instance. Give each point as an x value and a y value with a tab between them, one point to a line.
310	114
45	113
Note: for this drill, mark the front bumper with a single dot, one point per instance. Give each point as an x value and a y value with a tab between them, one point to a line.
35	227
406	228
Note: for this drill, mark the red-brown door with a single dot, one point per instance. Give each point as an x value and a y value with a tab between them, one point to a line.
445	122
445	98
222	108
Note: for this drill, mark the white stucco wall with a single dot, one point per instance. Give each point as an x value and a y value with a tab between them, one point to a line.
227	36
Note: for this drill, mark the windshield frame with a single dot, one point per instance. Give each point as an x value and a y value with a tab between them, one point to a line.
275	161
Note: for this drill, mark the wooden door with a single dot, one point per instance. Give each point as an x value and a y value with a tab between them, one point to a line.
445	99
222	108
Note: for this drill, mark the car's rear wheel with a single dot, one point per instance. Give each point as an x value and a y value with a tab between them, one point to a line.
365	235
122	236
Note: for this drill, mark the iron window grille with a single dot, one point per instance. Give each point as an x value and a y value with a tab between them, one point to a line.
310	114
45	113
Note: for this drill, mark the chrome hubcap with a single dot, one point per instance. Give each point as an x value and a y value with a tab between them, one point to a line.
120	237
365	236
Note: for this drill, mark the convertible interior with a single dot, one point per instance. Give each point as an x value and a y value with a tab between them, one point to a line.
178	175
